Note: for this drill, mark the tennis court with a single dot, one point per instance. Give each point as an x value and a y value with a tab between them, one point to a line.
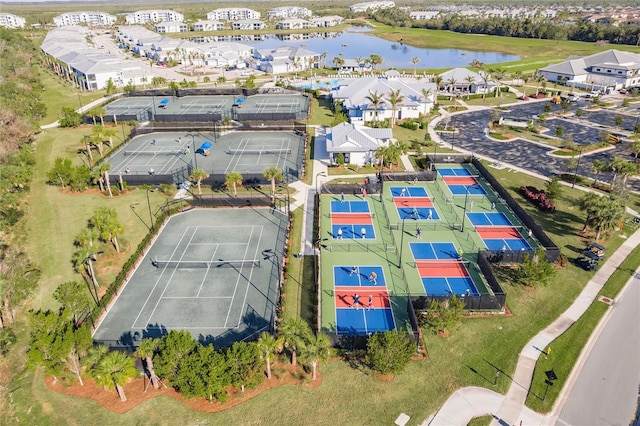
214	273
362	303
243	152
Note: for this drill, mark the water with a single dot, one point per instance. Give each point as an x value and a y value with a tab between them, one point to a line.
355	42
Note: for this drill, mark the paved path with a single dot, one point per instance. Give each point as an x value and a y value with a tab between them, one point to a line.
467	403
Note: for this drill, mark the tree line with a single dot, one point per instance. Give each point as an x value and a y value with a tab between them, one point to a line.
534	27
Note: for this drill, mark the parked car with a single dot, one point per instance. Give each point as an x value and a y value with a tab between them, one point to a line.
572	97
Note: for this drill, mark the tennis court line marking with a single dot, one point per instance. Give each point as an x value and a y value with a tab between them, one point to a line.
246	292
240	275
197	297
206	274
156	284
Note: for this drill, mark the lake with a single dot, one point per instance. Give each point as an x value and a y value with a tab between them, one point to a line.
355	42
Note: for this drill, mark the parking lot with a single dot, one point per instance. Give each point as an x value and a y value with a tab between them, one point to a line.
473	136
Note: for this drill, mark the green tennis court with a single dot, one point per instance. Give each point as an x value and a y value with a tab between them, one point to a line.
214	273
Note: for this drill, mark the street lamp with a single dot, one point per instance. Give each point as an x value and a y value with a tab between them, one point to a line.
149	206
193	144
464	212
575	174
411	216
317	176
453	132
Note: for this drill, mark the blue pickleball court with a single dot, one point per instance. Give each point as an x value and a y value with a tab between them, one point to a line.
350	232
447	286
343	276
474	189
338	206
511	244
352	321
409	191
418	213
434	251
454	171
489	219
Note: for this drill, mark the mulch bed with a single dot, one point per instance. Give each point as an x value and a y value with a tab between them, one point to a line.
134	391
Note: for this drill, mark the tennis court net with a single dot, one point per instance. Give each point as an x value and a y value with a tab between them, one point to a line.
171	152
207	264
237	151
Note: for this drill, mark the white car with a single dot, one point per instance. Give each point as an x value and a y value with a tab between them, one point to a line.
246	73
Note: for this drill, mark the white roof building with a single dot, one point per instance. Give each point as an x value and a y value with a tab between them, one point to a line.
144	16
357	143
424	15
288	12
610	69
326	21
171	27
372	5
247	24
354	93
207	25
87	18
88	66
232	14
285	59
9	20
293	24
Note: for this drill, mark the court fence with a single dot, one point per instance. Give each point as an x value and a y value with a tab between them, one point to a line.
256	199
408	176
552	251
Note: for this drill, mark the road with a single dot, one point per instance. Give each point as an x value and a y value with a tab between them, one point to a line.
605	391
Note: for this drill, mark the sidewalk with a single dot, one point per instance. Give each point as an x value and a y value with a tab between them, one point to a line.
467	403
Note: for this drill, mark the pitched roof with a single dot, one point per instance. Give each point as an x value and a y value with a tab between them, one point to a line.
355	91
349	137
610	58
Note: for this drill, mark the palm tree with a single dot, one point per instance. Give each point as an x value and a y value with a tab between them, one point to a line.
198	175
145	352
114	370
269	346
83	259
541	80
338	61
439	82
109	134
86	237
359	60
621	167
395	98
470	80
485	81
381	155
452	83
233	179
273	174
376	100
375	60
499	75
86	142
104	171
589	203
100	112
635	148
415	61
315	350
105	219
294	331
598	167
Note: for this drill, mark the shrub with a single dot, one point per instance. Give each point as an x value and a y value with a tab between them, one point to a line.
538	197
389	352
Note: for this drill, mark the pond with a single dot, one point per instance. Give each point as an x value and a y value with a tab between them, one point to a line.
355	42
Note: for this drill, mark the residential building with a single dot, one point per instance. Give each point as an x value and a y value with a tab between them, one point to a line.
288	12
609	70
171	27
462	80
86	18
232	14
285	59
247	24
145	16
424	15
9	20
293	24
326	21
356	143
371	5
67	54
355	94
207	26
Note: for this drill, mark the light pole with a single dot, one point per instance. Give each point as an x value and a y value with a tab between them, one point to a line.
435	153
149	206
193	144
411	216
575	174
270	254
317	176
464	212
453	132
